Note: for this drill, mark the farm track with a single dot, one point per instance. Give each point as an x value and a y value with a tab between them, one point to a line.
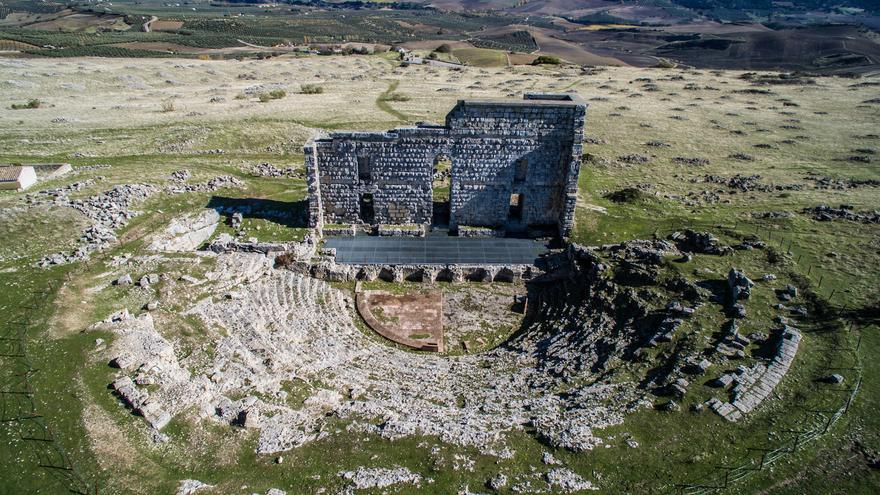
148	23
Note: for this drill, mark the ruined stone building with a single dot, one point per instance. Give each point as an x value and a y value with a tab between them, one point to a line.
511	165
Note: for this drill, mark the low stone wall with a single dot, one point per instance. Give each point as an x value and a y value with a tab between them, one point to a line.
339	272
466	231
400	231
299	251
348	231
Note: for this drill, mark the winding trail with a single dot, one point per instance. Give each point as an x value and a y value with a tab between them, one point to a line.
385	107
148	23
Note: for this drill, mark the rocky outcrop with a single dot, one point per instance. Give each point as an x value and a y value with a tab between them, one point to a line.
699	242
826	213
187	233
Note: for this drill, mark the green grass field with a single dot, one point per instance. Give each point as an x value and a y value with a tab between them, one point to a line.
481	57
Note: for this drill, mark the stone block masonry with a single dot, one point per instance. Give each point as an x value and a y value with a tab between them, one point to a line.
515	166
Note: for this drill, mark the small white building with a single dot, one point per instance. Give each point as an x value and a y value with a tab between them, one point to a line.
17	177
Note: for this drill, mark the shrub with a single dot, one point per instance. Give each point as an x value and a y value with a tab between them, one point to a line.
35	103
546	59
275	94
311	89
395	97
168	106
444	48
627	195
665	63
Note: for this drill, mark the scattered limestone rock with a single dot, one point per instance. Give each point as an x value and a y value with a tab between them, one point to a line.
699	242
220	182
364	478
567	481
109	211
188	487
497	482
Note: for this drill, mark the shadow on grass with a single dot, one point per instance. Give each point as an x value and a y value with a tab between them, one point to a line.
293	214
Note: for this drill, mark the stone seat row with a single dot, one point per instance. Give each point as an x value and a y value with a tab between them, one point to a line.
753	387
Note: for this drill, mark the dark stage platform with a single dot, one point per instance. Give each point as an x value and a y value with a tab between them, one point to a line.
434	250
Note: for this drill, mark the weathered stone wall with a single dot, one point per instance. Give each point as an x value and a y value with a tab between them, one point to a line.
401	164
527	147
489	139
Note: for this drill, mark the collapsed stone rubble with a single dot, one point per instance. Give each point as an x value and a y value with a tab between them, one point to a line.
564	480
746	183
269	170
189	487
211	185
181	175
824	182
826	213
109	211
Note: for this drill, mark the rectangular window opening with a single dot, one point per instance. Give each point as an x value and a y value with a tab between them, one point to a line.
522	169
363	167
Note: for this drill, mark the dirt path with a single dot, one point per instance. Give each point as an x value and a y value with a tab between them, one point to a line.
385	107
147	24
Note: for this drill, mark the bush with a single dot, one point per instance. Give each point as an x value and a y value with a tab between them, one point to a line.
35	103
395	97
444	48
546	59
168	106
627	195
311	89
275	94
665	63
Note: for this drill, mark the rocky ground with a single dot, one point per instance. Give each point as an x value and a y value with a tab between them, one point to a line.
601	309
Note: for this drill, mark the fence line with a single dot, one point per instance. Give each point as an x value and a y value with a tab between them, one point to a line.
17	404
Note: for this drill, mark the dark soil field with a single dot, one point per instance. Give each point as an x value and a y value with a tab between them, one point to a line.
582	32
831	48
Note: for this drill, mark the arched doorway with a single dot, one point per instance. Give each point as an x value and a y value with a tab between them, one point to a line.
441	183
